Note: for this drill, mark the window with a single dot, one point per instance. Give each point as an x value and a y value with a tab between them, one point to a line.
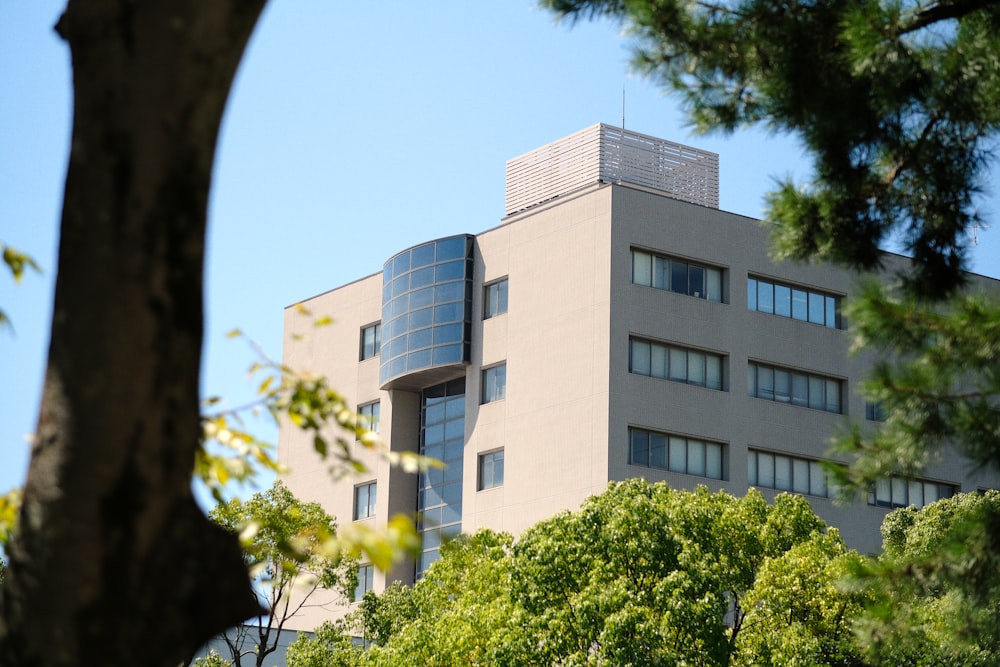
366	580
675	453
801	389
371	340
370	413
678	364
676	275
903	492
874	411
491	469
797	303
364	500
495	299
788	473
494	383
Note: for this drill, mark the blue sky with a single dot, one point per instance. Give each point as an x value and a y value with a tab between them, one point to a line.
354	130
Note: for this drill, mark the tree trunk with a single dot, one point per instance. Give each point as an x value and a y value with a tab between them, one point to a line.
113	563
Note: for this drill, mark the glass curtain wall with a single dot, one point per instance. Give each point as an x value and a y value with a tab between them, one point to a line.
442	437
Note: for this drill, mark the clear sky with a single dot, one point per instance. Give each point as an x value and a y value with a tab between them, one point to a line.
354	130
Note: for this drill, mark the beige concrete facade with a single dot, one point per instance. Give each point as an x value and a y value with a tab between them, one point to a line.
571	399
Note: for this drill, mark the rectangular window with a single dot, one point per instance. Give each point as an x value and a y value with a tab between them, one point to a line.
494	383
787	473
802	389
690	456
491	469
796	303
495	299
677	364
366	581
370	413
675	275
874	411
364	500
902	492
371	340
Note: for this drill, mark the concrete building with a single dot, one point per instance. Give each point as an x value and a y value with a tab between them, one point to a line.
615	324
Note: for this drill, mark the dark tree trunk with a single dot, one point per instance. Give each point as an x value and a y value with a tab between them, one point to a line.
113	563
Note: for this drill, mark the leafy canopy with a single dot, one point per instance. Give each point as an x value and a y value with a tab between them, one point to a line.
639	575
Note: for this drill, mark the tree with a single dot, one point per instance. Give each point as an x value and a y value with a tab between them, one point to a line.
640	575
936	585
112	559
648	575
283	551
331	646
897	103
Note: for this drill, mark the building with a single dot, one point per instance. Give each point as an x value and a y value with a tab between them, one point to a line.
615	324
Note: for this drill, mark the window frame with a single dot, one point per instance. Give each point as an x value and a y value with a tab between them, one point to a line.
677	363
761	384
675	452
490	390
797	302
365	500
672	267
491	457
372	411
496	304
365	581
818	481
366	352
895	485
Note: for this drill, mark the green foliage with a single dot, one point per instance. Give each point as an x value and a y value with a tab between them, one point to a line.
938	382
645	575
17	262
936	586
290	547
898	103
213	659
10	503
331	646
640	575
286	541
230	452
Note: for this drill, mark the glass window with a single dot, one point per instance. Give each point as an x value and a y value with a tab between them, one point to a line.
678	364
801	389
642	267
491	469
675	363
902	492
366	581
675	453
682	277
495	302
371	340
786	473
796	303
765	297
641	357
696	281
713	285
494	383
370	414
782	300
678	277
364	500
874	411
